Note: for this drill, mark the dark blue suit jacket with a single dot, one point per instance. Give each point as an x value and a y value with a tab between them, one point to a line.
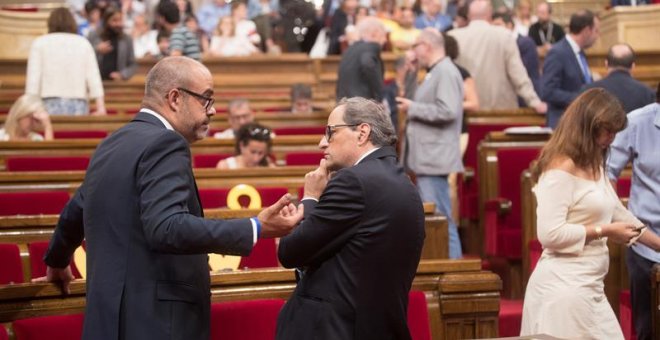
631	93
530	58
561	81
147	243
360	246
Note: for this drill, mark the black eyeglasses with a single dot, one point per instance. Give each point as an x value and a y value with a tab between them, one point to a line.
330	129
208	100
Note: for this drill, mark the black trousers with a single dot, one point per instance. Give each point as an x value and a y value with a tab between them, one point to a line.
639	271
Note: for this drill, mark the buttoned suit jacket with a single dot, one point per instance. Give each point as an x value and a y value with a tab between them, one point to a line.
359	247
138	210
561	80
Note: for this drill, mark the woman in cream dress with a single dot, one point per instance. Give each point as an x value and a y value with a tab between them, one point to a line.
577	212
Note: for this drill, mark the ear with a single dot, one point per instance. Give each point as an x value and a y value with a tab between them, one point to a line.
364	132
174	100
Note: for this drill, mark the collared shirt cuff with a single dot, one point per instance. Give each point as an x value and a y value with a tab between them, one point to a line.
255	230
310	198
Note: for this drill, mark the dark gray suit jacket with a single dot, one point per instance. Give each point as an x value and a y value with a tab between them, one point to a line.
359	246
126	64
361	72
631	93
147	243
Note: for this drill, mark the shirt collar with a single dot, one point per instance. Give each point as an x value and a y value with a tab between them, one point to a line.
161	118
656	121
574	46
365	155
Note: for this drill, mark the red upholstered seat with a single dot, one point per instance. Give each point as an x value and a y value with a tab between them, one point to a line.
418	316
625	316
535	251
32	203
623	187
209	160
3	333
510	317
11	270
503	231
276	109
468	186
72	134
270	195
60	327
303	158
37	250
55	163
300	130
263	255
245	320
20	8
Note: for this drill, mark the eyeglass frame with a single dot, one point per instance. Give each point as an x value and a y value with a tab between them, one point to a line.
209	100
329	129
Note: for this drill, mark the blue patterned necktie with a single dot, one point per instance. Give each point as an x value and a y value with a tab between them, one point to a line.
585	68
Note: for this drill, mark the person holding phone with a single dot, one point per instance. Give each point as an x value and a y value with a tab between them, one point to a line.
578	211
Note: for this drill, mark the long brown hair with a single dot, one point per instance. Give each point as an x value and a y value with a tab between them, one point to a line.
593	111
60	20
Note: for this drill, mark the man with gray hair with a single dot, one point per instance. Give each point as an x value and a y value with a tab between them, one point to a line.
139	212
359	245
632	93
361	68
239	114
433	127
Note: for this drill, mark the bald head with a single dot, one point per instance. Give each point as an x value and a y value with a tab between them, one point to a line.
433	38
480	10
621	56
372	30
170	73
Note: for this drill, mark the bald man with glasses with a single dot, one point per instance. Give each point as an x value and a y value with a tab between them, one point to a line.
139	212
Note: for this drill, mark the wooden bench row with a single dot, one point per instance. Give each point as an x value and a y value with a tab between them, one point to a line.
462	300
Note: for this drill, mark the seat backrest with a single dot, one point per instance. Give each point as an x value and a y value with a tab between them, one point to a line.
209	160
32	202
245	320
511	163
535	251
56	163
37	250
213	198
300	130
74	134
303	158
418	316
477	133
11	270
263	255
623	187
60	327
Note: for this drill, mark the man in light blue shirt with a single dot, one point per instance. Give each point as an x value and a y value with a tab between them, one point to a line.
638	144
210	14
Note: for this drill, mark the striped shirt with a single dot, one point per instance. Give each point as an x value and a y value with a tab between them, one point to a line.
182	39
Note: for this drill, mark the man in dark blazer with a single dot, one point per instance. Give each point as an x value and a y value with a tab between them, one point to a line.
360	241
361	68
565	69
631	93
139	212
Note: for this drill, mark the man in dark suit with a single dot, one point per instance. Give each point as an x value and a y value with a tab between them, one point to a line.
361	68
545	32
633	94
138	210
565	69
360	242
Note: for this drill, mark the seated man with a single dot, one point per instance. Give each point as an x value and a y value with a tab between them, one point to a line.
301	98
239	115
